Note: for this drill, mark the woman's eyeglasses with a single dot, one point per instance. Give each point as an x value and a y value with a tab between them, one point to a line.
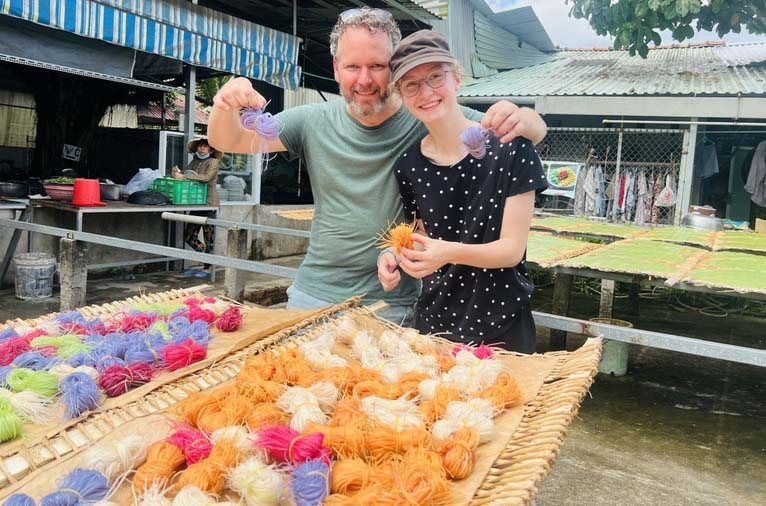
378	14
434	80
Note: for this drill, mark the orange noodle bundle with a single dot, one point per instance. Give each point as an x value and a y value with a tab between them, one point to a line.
345	440
505	393
193	406
446	361
263	365
366	497
347	411
416	482
209	475
349	476
162	460
231	411
266	415
256	388
397	237
291	367
407	387
459	453
382	441
435	408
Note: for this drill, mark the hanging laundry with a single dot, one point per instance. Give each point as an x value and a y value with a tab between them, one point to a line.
598	179
706	160
644	199
630	196
656	189
579	200
756	179
591	193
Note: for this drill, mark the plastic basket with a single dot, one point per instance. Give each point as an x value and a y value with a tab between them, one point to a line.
181	191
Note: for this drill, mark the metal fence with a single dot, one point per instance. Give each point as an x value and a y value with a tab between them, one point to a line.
628	175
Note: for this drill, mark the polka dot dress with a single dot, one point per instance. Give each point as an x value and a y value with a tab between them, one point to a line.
464	203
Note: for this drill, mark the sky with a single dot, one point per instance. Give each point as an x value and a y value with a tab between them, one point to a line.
569	32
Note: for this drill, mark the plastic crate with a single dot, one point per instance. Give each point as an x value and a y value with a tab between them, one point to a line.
181	192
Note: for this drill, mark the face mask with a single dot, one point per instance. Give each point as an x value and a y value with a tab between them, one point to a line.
202	157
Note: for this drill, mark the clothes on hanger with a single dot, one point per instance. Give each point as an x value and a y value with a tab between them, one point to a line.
756	179
644	199
706	159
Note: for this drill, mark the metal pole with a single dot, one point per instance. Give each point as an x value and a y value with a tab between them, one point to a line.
685	191
616	200
692	122
202	220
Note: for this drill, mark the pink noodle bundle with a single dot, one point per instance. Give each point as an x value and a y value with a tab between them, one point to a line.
117	380
34	333
482	352
12	348
197	313
181	355
140	321
230	320
287	445
195	445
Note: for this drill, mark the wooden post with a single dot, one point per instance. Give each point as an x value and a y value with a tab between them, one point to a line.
606	307
73	273
234	279
561	291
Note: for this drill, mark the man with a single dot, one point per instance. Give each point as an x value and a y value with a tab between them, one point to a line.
349	148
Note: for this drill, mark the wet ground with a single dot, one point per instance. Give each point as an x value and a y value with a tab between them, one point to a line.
677	430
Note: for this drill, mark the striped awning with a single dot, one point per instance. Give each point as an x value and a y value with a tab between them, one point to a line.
175	29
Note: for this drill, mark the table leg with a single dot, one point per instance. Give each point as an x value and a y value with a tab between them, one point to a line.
73	273
606	306
561	294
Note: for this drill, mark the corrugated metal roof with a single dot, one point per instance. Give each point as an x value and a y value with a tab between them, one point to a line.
501	49
718	70
524	23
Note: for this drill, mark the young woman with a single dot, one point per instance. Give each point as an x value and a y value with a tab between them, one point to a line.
474	212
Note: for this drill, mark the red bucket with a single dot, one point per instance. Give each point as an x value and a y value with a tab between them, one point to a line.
87	192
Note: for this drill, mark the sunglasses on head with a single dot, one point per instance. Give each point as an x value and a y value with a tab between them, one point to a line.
378	14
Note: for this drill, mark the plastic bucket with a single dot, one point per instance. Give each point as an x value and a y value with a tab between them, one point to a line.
614	354
34	275
87	192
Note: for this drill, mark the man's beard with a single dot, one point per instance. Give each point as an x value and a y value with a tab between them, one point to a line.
366	109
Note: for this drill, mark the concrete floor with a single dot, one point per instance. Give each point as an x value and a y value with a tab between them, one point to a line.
676	430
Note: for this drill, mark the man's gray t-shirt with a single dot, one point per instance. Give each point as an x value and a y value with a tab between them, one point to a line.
356	197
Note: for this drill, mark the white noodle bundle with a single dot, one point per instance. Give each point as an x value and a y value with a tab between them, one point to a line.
392	345
191	495
154	496
427	389
303	405
258	483
346	328
238	435
399	414
470	375
474	414
29	405
64	370
367	352
115	459
422	343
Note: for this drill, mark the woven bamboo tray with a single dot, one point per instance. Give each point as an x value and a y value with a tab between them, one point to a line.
41	447
511	474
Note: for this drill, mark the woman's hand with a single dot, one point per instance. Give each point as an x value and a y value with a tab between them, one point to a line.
388	274
433	255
